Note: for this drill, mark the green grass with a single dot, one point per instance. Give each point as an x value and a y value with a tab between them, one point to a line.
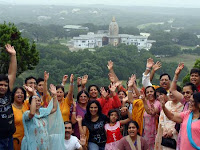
188	60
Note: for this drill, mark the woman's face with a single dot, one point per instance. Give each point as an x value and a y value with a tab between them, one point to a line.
83	99
38	102
121	95
192	106
171	97
93	92
187	92
40	87
132	130
150	94
19	96
60	94
93	109
135	95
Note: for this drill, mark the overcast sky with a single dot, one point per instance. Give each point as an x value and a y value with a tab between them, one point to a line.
167	3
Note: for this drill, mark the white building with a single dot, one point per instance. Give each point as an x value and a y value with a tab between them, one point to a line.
92	40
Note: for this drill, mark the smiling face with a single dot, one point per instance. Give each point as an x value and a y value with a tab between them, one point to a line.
121	95
150	94
132	130
93	92
93	109
83	99
3	87
165	82
38	102
19	96
40	87
195	79
187	92
60	94
31	83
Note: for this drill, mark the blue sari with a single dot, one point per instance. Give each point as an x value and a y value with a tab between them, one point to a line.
189	132
44	131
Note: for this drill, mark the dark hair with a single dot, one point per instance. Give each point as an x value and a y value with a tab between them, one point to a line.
161	90
192	86
14	91
195	70
39	80
152	88
5	78
89	87
178	88
136	124
30	77
165	74
69	122
88	114
196	97
31	97
60	87
81	92
111	111
123	92
106	89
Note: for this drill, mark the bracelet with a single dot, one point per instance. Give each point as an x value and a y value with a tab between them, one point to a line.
73	112
79	85
130	91
147	68
35	96
71	83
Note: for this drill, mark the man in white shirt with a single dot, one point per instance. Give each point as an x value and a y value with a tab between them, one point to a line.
72	142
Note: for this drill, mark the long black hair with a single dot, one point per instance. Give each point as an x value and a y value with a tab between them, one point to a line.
136	124
81	92
88	114
14	91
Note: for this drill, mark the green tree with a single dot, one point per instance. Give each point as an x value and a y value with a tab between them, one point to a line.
27	54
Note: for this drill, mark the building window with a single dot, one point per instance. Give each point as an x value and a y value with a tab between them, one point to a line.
83	41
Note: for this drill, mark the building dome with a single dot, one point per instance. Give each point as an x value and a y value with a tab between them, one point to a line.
113	28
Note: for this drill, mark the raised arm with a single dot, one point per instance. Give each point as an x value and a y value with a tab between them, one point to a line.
64	80
33	102
45	91
82	129
12	71
125	121
111	70
73	118
117	102
71	88
155	67
171	116
84	81
54	95
146	75
173	88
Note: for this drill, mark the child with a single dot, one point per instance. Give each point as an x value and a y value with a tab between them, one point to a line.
113	128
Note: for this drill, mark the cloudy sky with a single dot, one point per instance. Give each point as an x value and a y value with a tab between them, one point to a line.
167	3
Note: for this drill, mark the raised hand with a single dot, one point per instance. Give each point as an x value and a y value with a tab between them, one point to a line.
71	78
79	118
64	79
83	140
29	89
142	95
110	65
52	89
150	63
10	49
179	68
79	80
132	80
103	92
112	87
84	80
162	100
46	76
157	66
125	99
118	83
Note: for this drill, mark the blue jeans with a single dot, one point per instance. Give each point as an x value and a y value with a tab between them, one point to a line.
6	144
93	146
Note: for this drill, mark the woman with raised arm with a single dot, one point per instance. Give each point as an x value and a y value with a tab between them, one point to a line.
79	109
151	115
190	121
44	128
133	141
17	98
184	97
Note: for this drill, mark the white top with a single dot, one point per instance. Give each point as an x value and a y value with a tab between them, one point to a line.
72	143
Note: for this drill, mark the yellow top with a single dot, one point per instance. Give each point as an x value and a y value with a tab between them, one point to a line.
19	133
65	105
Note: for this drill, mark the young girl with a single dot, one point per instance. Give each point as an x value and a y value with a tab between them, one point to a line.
113	128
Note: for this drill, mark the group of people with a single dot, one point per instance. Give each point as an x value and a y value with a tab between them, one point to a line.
113	117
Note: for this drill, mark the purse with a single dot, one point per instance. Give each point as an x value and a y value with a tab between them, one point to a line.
168	142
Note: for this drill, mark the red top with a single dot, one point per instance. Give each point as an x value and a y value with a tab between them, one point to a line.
110	103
